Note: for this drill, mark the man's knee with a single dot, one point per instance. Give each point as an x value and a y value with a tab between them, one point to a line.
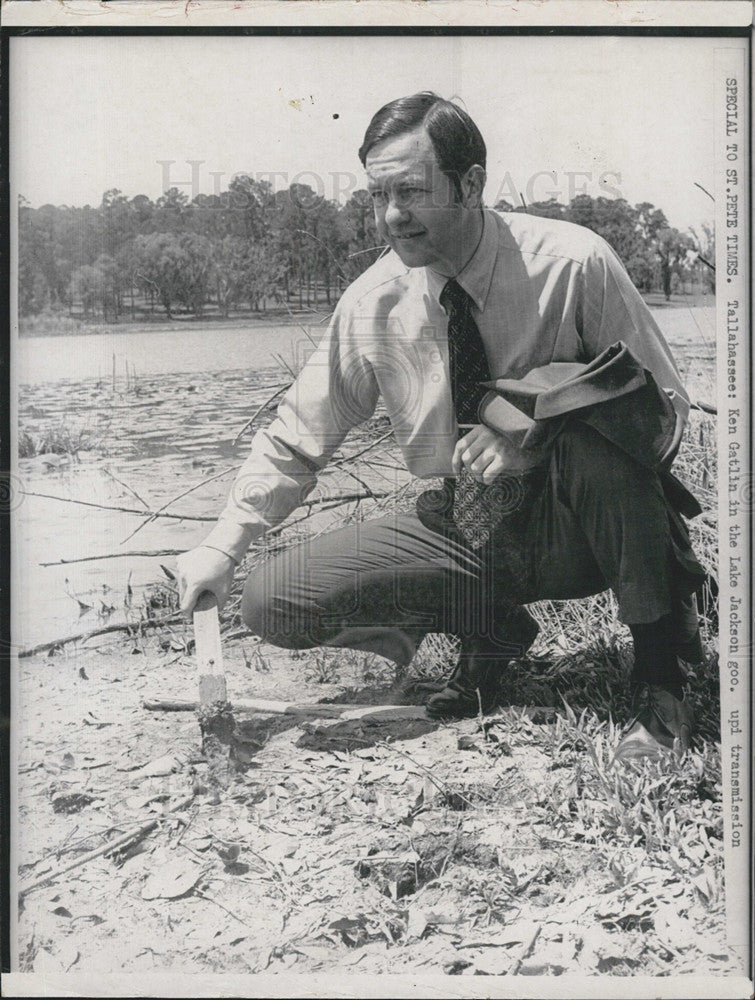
579	442
266	614
581	453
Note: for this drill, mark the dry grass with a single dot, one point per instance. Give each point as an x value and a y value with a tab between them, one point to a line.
59	439
583	654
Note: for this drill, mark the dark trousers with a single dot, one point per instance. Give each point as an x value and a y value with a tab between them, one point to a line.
596	519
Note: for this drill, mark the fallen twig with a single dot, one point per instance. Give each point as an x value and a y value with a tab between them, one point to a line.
103	630
332	502
358	454
212	899
210	479
112	845
129	488
259	410
114	555
526	950
123	510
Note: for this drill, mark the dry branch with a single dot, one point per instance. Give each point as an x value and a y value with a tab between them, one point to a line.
191	489
115	555
122	510
259	410
43	647
113	845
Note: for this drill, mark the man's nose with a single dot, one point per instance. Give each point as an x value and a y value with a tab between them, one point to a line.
396	212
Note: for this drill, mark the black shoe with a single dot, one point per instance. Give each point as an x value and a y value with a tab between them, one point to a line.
660	722
463	702
473	686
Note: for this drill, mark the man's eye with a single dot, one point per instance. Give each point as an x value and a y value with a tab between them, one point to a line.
378	196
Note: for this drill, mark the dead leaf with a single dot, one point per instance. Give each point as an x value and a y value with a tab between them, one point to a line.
159	768
47	964
417	923
90	763
519	933
494	963
173	879
230	853
73	803
672	929
291	866
281	848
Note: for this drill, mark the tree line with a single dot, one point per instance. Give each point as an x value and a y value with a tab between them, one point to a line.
253	248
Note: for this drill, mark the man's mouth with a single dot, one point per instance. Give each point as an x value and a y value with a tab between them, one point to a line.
405	236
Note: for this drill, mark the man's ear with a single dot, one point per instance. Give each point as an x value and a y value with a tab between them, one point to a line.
472	186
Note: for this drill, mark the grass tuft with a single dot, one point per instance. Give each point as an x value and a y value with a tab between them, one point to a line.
56	440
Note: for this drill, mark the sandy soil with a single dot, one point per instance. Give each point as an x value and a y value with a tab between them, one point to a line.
337	846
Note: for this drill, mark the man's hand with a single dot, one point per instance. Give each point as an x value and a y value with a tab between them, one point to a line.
202	569
481	452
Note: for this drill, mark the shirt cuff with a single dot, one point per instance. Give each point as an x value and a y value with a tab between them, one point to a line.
233	539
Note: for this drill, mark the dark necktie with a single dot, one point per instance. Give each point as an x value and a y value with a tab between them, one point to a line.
476	510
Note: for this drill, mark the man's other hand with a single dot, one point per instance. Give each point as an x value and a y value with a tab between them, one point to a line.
202	569
481	452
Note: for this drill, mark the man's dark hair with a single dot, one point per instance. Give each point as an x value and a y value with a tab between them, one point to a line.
456	139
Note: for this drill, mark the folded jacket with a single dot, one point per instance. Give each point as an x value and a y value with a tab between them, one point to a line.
615	394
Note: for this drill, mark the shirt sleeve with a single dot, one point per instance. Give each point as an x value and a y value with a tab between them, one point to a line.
613	309
336	390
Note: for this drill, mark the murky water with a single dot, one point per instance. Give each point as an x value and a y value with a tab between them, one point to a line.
169	431
163	349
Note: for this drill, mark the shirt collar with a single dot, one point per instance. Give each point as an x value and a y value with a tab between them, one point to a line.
477	276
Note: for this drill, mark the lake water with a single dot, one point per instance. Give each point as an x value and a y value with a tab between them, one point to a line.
174	429
167	350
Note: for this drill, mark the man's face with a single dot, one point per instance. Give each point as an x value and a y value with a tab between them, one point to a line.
418	211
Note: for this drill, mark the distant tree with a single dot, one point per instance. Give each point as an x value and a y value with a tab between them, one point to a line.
158	267
672	248
357	238
230	266
705	245
85	286
97	287
195	271
118	221
550	209
172	212
650	221
612	218
33	289
503	205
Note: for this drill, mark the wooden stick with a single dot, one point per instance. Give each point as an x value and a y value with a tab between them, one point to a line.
321	711
152	516
116	555
103	630
259	410
123	510
112	845
212	686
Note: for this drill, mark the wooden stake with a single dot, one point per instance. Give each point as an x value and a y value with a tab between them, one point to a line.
215	715
210	672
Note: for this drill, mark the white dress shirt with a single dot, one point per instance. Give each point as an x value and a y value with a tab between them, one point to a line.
542	290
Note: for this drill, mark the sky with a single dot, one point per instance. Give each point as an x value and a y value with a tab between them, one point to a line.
565	115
